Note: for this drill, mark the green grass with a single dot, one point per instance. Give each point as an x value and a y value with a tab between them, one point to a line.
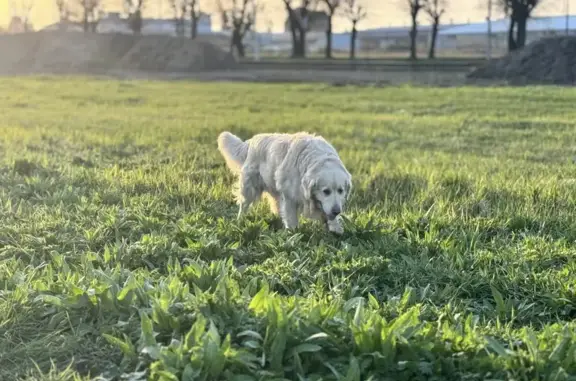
120	252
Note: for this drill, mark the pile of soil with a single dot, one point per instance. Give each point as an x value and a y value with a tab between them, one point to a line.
168	54
551	60
72	52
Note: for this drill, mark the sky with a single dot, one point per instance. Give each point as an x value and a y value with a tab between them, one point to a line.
380	12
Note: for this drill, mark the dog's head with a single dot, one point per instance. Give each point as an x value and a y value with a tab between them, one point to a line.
328	187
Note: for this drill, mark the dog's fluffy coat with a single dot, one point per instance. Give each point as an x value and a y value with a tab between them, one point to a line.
297	173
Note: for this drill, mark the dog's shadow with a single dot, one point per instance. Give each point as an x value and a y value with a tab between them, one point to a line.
274	223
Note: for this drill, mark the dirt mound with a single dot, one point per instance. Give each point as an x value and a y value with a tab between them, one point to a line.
73	52
163	53
550	60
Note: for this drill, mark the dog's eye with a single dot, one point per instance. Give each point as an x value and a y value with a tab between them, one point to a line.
340	190
326	192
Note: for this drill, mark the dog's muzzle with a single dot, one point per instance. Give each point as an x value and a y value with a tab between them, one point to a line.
335	212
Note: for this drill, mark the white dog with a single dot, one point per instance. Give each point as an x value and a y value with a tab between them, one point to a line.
298	173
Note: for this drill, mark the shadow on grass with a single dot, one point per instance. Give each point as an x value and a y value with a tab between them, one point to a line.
394	190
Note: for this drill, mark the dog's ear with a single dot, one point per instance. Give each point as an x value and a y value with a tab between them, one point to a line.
348	186
308	185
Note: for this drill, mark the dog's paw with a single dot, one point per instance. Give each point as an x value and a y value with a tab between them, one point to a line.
335	227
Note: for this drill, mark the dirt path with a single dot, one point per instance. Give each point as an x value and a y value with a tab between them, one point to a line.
289	76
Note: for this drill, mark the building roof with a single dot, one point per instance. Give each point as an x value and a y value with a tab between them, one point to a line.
400	30
390	31
119	17
535	24
156	21
312	14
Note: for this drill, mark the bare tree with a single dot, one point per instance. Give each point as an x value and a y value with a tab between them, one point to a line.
180	11
298	20
90	14
519	12
64	11
414	7
195	13
22	10
355	13
435	9
505	5
134	9
331	8
238	16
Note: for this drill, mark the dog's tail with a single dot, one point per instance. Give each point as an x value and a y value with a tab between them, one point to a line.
233	149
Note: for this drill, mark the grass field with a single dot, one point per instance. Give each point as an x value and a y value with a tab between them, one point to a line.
120	252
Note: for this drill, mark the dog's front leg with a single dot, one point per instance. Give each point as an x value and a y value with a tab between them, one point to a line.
242	209
289	213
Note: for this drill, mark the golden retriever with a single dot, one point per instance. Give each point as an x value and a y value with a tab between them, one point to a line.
298	174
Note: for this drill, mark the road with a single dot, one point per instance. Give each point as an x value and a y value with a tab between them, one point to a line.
372	65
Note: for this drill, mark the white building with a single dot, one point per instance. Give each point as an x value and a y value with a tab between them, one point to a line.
475	36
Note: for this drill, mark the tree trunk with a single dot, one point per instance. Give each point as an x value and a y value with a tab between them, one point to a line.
85	23
413	35
432	50
298	33
295	32
177	26
328	53
135	22
521	31
353	41
299	43
237	43
299	48
302	42
138	28
511	40
193	23
302	31
295	42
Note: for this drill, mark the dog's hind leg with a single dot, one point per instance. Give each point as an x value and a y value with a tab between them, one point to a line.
250	190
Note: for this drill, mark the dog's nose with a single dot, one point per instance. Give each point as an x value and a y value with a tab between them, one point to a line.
336	210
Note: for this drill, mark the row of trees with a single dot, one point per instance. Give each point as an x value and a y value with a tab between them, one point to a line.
238	16
353	10
435	9
88	12
21	13
518	11
182	10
